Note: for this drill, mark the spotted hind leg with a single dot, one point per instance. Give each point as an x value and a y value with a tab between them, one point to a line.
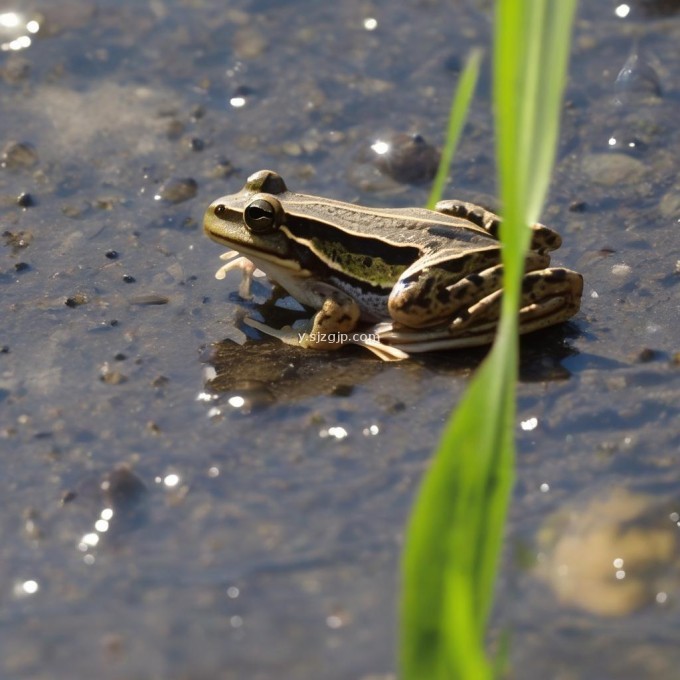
549	296
543	238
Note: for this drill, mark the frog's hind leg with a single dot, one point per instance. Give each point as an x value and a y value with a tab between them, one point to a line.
549	296
543	238
437	300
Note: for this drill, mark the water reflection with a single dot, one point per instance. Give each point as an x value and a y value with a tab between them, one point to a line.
612	555
25	588
16	31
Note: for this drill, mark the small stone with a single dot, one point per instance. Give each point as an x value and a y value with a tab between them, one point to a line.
646	355
578	206
342	390
111	254
196	144
610	169
22	266
76	300
637	77
221	168
406	158
177	190
68	496
18	156
129	279
123	488
25	200
111	377
621	269
149	299
175	129
197	113
669	205
17	240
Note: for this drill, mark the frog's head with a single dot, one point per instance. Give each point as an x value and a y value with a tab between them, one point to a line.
250	220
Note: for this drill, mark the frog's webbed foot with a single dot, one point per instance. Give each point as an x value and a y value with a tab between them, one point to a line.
543	238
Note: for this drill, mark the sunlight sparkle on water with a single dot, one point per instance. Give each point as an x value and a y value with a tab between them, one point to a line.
370	24
88	541
622	11
529	424
334	621
9	19
29	587
336	432
171	480
12	20
381	148
205	396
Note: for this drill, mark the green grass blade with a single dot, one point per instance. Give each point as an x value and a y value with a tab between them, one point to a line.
455	531
460	104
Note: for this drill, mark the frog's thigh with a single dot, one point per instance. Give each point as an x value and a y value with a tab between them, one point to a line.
542	238
338	314
434	298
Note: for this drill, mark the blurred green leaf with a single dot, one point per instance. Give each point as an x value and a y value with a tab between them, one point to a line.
456	528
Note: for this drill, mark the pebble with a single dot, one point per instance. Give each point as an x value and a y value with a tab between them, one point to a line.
637	77
177	190
25	200
610	169
149	299
18	156
76	300
669	205
406	158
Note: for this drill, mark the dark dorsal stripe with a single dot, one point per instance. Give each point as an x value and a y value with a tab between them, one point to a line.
391	253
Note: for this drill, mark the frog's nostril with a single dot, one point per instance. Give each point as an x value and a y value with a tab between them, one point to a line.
220	211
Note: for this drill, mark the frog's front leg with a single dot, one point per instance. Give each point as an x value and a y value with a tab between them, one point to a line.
330	328
542	238
338	317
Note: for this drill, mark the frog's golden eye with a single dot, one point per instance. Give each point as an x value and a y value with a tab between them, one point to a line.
261	215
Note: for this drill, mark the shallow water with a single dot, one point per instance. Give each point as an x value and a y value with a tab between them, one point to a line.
259	492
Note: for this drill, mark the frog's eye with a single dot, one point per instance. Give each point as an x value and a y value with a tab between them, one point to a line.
262	215
220	210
